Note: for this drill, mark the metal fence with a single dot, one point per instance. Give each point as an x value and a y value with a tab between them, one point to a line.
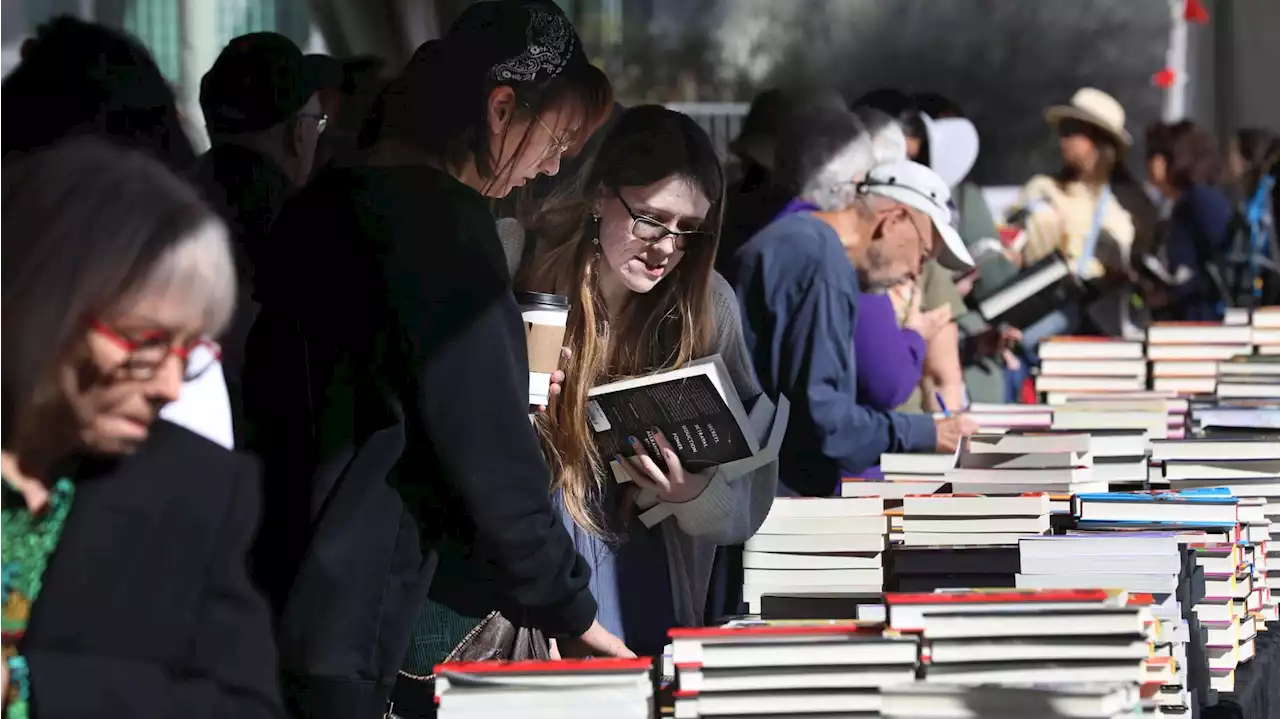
721	120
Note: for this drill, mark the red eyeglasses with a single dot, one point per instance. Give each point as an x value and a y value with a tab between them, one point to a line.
149	350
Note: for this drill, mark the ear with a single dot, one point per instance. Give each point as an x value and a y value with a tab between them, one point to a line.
501	109
293	137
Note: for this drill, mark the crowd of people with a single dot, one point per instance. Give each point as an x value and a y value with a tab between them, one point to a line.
267	445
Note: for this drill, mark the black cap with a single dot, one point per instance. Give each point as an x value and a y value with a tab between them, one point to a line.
260	79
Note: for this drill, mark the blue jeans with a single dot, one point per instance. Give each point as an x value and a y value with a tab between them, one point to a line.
1058	322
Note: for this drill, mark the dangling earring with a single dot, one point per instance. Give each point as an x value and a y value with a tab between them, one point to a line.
595	231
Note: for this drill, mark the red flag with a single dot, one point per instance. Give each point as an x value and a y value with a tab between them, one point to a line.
1164	79
1194	11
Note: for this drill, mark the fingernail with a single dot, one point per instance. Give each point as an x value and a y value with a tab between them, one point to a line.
632	441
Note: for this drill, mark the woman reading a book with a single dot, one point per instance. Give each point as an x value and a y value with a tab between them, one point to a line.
389	394
633	249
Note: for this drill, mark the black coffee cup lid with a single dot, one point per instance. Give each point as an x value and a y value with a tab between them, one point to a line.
544	299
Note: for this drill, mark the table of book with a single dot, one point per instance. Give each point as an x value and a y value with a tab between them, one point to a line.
1257	694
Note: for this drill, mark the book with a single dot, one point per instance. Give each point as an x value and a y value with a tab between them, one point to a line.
695	407
1031	294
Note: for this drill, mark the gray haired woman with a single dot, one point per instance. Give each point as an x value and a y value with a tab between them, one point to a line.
125	588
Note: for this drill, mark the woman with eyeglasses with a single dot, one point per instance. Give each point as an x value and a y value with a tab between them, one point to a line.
125	588
387	381
633	249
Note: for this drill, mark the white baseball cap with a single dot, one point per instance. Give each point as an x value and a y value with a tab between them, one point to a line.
920	188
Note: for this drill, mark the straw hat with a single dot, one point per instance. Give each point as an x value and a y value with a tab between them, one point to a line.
1096	108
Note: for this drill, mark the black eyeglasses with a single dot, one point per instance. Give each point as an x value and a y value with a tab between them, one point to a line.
651	231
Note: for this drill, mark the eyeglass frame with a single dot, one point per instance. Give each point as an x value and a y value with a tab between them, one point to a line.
679	235
863	188
148	370
559	145
321	118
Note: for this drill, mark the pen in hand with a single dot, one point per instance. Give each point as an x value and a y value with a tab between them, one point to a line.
941	404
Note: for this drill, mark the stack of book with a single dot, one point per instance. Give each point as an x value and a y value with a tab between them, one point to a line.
1090	365
568	689
1141	563
1196	516
1254	478
955	520
925	700
816	547
835	669
1026	637
1014	463
1237	417
927	569
1184	355
1150	416
916	467
1266	330
1001	418
1249	377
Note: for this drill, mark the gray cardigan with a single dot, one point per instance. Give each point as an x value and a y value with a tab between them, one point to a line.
728	511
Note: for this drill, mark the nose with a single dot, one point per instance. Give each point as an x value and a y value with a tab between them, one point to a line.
167	383
667	245
552	164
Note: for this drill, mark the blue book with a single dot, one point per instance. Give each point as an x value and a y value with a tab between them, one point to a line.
1215	495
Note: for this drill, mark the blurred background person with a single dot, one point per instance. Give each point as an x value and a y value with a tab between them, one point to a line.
1093	212
1253	169
261	105
125	537
110	87
1183	164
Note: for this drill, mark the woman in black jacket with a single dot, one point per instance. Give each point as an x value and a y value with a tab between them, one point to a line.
125	537
387	379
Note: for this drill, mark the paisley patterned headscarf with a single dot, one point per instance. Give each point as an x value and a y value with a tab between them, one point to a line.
522	41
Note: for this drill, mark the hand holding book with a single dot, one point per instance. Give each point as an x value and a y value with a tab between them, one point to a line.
668	479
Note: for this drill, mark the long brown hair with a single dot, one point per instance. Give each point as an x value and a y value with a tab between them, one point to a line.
665	328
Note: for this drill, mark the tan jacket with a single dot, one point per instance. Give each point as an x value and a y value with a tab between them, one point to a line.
1062	215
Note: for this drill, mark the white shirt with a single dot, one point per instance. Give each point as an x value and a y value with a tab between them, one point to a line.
204	407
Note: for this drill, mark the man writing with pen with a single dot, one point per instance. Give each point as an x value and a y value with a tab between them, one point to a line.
798	282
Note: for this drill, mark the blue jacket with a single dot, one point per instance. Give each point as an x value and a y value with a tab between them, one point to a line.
1197	234
799	298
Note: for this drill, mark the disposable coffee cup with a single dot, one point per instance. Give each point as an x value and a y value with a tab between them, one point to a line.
545	317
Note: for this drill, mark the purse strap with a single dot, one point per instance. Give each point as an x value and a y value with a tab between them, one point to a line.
1095	230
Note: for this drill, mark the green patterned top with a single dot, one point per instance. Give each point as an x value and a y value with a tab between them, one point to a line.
29	541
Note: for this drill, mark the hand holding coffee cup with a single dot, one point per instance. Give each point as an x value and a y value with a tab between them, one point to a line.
557	378
545	317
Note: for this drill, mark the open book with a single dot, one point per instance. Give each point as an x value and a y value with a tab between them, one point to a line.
1033	293
695	407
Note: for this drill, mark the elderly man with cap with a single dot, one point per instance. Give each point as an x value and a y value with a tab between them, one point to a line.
798	282
262	110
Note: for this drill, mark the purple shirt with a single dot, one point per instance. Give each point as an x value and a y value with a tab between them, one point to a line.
890	359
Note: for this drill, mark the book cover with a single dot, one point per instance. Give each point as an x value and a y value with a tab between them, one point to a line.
695	407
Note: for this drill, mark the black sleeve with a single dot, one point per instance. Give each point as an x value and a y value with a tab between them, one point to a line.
467	362
230	669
